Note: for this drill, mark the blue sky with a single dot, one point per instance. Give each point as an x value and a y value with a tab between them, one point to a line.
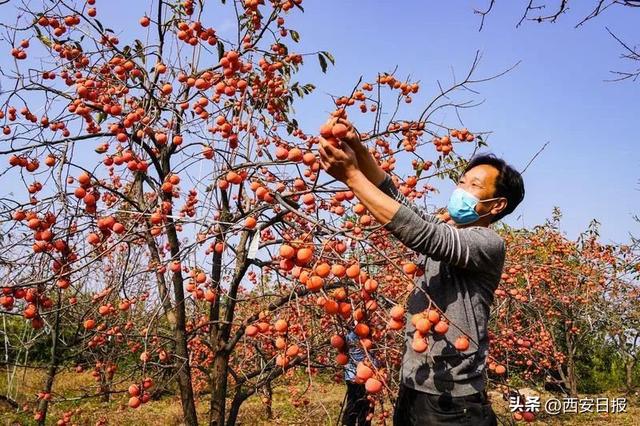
591	167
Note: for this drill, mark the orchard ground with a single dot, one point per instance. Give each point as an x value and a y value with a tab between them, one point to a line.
324	395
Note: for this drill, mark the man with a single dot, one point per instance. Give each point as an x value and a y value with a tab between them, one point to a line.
463	260
357	407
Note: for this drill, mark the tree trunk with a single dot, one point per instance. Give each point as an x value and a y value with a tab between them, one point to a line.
184	374
218	389
629	365
104	388
43	405
238	399
571	366
182	351
270	401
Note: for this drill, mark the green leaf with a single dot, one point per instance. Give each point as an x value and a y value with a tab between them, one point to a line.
140	51
329	56
220	50
45	40
323	63
101	117
295	36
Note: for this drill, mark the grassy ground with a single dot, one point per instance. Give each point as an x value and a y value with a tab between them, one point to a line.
324	402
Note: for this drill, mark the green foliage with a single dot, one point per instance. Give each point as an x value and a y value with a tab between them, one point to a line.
601	368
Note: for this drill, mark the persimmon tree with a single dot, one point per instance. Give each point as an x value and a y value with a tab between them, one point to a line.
556	297
167	207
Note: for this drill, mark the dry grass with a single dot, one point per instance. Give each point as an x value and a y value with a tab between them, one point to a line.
325	399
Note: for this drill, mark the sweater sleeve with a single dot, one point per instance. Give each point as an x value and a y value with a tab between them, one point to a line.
475	248
387	186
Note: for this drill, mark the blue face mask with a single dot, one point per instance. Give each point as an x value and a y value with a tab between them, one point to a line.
462	207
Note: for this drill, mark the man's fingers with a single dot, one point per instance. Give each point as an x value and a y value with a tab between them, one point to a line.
324	167
328	148
347	149
323	155
324	163
345	122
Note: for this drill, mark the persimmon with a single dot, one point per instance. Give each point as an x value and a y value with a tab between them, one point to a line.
409	268
363	371
250	222
331	307
295	154
423	325
292	351
93	238
326	131
359	209
361	329
166	89
314	283
161	138
304	254
322	270
282	361
433	316
418	344
338	270
339	130
287	252
441	327
461	343
134	390
342	359
373	385
353	271
251	330
281	326
395	324
134	402
84	179
337	341
397	313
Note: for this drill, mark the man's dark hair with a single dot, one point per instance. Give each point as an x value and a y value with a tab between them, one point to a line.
509	182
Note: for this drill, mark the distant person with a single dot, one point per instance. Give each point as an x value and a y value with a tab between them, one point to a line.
356	407
462	258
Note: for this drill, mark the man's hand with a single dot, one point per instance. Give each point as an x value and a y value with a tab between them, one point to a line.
341	163
446	217
352	138
367	163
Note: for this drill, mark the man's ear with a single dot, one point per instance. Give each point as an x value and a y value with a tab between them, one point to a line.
499	206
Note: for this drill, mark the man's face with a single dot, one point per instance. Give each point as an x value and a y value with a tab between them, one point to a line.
481	182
